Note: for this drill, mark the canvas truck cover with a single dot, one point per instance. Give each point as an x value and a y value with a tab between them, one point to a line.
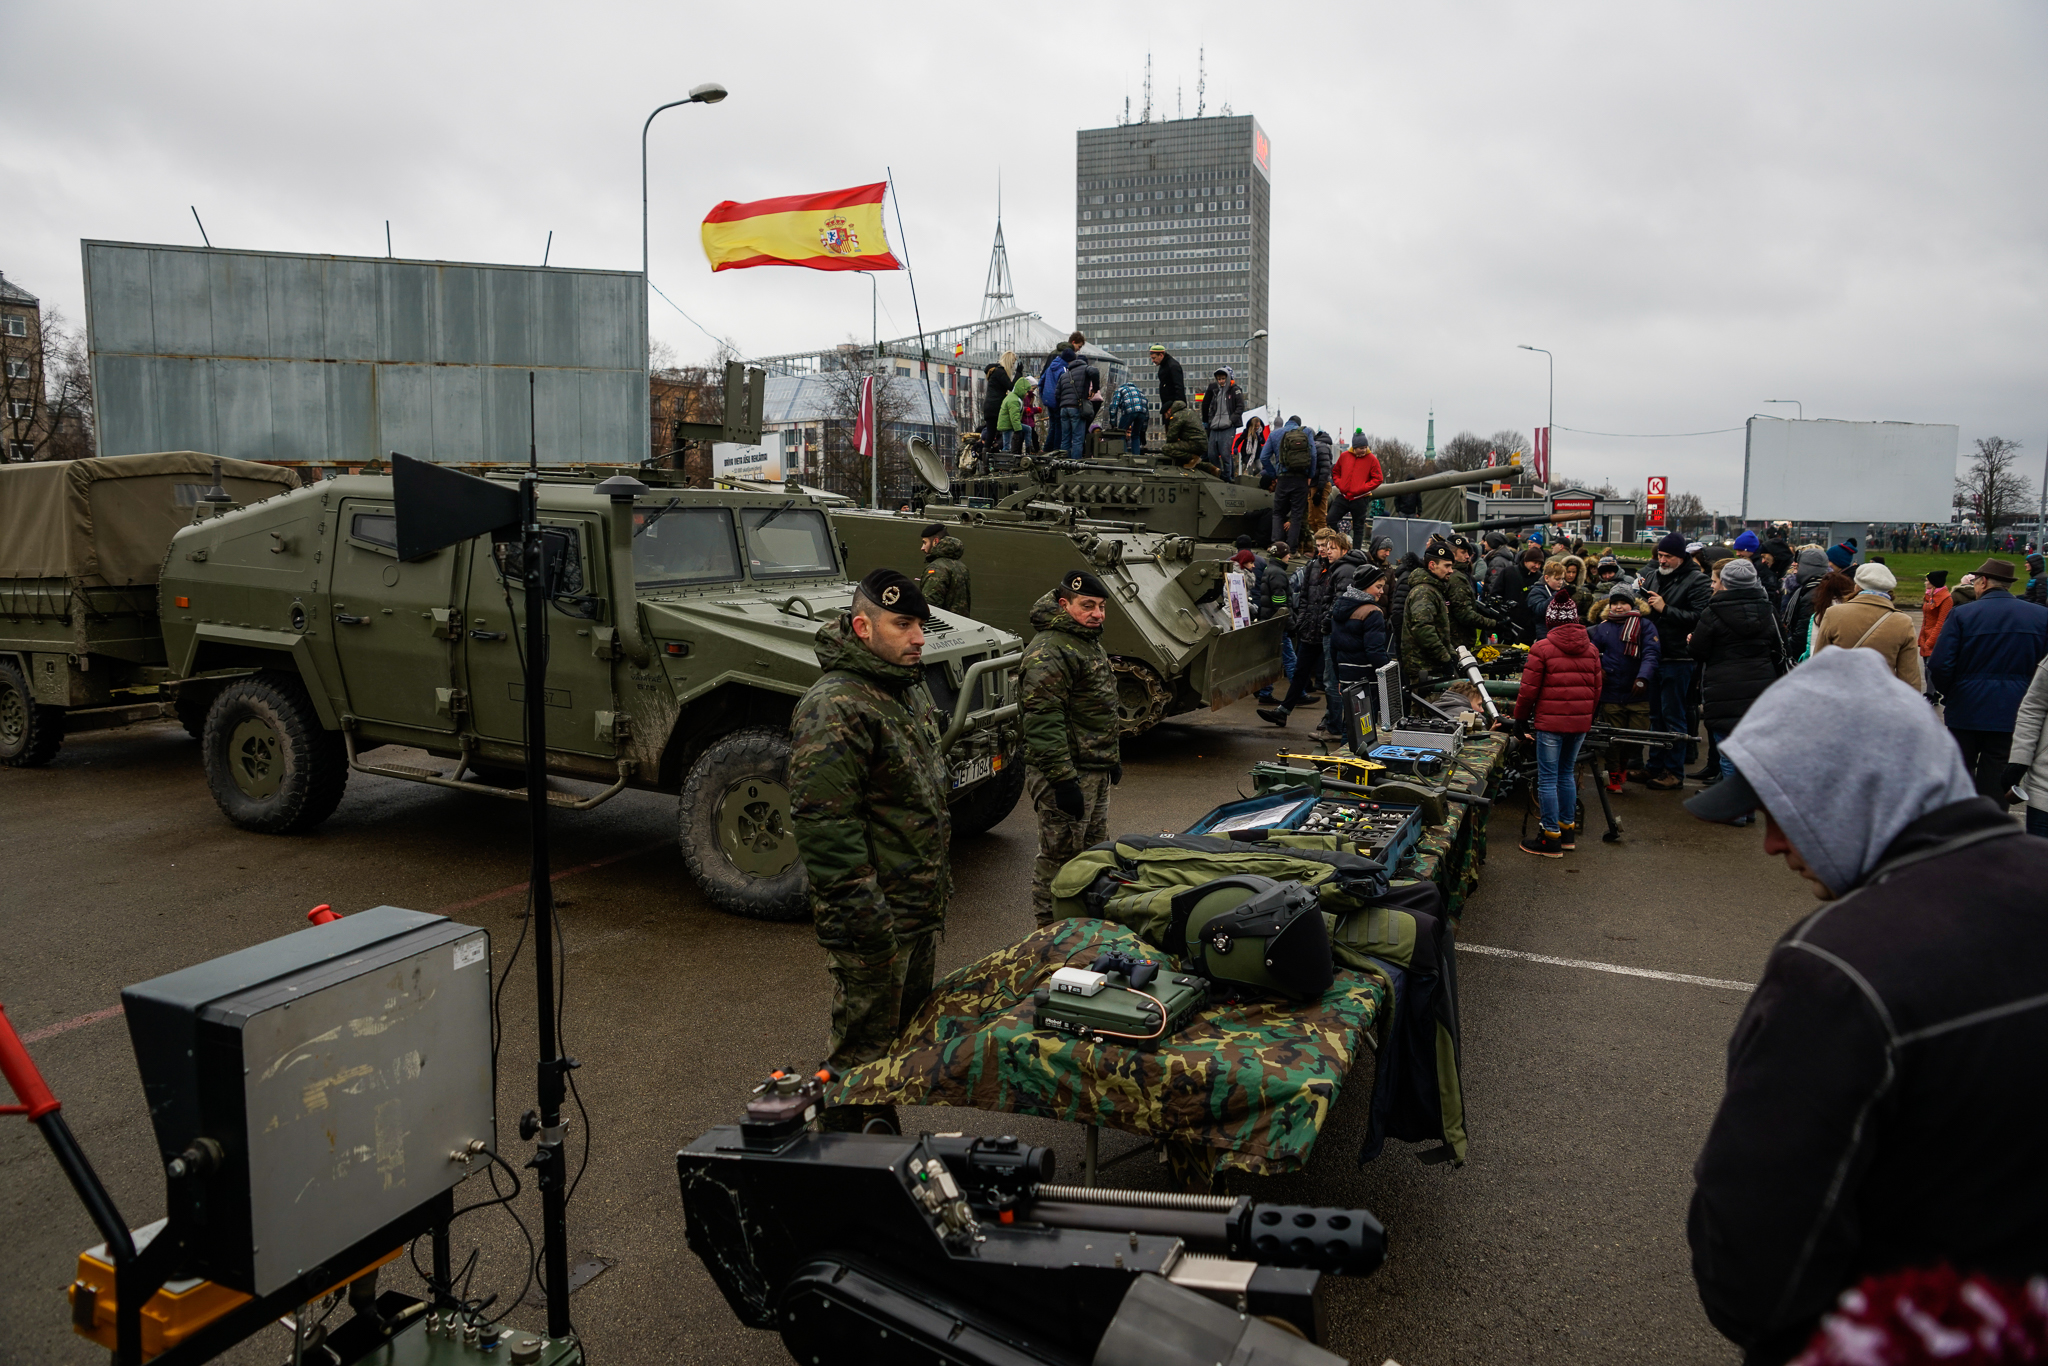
108	521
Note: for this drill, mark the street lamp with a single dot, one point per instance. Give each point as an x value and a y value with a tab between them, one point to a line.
1549	431
1794	402
1256	336
711	92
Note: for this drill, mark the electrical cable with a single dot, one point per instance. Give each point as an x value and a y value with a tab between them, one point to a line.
1648	436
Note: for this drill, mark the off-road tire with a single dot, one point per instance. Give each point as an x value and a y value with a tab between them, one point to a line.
742	779
989	805
270	764
30	734
192	705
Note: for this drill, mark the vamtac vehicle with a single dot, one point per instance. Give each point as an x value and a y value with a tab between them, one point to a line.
681	635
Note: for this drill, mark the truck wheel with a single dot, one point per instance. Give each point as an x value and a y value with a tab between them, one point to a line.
735	829
29	734
192	705
987	806
271	766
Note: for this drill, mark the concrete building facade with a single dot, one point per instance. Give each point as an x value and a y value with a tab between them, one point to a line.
1172	245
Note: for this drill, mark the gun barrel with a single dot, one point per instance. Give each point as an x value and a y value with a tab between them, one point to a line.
1527	519
1448	479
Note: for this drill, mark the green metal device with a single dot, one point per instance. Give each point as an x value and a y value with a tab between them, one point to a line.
1119	1013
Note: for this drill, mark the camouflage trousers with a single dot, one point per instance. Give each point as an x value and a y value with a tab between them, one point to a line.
1060	836
874	996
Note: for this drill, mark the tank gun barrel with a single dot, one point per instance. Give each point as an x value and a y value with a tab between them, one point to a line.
1449	479
1527	519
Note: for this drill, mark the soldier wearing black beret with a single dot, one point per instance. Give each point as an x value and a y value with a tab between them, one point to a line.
867	798
946	584
1072	731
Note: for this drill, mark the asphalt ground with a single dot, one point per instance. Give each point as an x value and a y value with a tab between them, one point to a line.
1587	1092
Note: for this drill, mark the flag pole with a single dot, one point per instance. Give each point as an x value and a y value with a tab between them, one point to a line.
924	354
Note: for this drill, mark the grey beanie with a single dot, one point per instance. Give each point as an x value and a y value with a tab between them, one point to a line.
1738	573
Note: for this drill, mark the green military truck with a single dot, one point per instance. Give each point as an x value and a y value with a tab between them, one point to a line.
81	544
680	637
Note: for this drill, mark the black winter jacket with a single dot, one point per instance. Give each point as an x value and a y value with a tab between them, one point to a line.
1512	586
1685	591
1172	387
1269	578
1887	1096
1359	639
1320	587
1738	646
999	385
1077	381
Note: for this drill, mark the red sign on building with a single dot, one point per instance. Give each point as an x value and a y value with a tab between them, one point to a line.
1582	506
1653	499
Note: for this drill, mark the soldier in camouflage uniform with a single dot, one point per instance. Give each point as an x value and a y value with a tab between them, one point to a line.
1071	730
867	797
946	586
1426	619
1462	597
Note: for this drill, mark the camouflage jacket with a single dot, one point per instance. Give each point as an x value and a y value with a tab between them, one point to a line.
1069	697
1186	440
867	795
1462	597
945	578
1425	629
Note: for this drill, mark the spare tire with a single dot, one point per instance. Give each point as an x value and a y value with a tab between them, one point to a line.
734	827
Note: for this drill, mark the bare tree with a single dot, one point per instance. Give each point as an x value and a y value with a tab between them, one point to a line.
46	398
1398	459
845	469
1465	451
1506	442
676	394
1683	510
1992	491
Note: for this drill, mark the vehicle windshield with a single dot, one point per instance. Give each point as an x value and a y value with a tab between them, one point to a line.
676	545
788	540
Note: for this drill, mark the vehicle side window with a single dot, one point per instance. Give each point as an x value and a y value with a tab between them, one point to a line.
561	548
378	529
677	545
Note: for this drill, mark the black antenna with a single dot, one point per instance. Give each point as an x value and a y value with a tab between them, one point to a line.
532	430
202	228
1146	116
1201	80
549	248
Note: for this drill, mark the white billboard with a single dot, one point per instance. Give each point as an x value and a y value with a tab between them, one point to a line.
731	460
1828	471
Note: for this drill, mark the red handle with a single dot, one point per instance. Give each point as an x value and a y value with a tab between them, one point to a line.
22	1076
322	914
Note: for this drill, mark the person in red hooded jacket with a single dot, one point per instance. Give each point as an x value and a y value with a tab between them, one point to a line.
1358	474
1560	692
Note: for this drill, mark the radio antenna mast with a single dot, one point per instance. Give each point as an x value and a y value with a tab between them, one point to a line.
1201	81
1146	116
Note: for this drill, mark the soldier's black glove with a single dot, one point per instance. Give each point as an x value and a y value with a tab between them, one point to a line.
1067	797
2011	777
1116	774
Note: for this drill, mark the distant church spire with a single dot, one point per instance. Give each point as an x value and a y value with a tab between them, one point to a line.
1429	444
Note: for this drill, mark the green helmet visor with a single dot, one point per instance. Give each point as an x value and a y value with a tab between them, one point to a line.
1258	934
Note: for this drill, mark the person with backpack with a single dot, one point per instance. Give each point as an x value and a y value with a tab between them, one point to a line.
1294	467
1078	382
1738	648
1871	621
1561	685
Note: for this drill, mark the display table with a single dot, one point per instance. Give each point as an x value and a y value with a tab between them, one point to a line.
1245	1087
1449	854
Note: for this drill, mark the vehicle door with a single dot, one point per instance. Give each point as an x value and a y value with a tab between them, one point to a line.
579	685
392	622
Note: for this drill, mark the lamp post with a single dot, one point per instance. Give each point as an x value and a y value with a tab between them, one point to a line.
1550	429
711	92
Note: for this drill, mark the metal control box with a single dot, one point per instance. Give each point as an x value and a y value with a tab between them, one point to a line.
309	1091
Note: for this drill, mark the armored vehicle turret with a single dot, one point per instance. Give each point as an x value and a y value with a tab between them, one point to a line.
681	636
1164	498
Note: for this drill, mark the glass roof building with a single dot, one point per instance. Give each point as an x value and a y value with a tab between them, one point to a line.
1172	243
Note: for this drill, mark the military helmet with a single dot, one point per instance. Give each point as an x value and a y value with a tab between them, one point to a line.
1255	933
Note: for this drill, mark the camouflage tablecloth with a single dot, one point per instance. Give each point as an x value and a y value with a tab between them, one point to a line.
1242	1086
1450	854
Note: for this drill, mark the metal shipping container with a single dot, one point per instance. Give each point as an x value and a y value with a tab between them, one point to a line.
333	361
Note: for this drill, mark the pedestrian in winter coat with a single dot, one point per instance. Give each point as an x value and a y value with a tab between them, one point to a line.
2028	761
1325	579
1629	652
1934	607
1911	999
992	399
1796	616
1677	592
1773	563
1010	416
1129	414
1536	602
1222	412
1172	388
1357	474
1871	620
1738	647
1425	619
2037	582
1032	408
1560	692
1078	382
1966	590
1359	640
1982	665
1575	584
1525	619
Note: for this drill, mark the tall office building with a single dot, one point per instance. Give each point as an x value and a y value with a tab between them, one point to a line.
1172	242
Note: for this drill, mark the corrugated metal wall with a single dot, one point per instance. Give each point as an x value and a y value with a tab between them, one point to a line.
338	360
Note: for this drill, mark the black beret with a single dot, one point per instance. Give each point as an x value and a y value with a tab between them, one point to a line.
895	592
1439	551
1079	583
935	529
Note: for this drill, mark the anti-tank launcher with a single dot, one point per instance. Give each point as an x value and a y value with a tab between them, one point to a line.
869	1247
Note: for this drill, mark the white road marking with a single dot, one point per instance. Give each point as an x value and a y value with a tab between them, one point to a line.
1606	967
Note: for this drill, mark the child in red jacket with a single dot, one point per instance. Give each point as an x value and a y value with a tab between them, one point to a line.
1560	692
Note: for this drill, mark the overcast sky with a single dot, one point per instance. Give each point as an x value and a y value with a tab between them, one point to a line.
1698	208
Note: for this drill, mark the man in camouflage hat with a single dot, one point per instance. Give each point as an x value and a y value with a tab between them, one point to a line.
1426	618
1461	595
867	797
946	586
1071	730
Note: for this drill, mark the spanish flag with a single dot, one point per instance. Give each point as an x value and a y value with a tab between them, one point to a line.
837	230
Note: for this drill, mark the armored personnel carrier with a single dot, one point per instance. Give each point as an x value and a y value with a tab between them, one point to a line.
81	542
1163	498
1167	634
680	639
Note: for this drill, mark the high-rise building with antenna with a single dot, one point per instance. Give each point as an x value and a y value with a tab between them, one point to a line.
1172	245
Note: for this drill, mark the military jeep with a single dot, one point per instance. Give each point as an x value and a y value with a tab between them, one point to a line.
680	631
